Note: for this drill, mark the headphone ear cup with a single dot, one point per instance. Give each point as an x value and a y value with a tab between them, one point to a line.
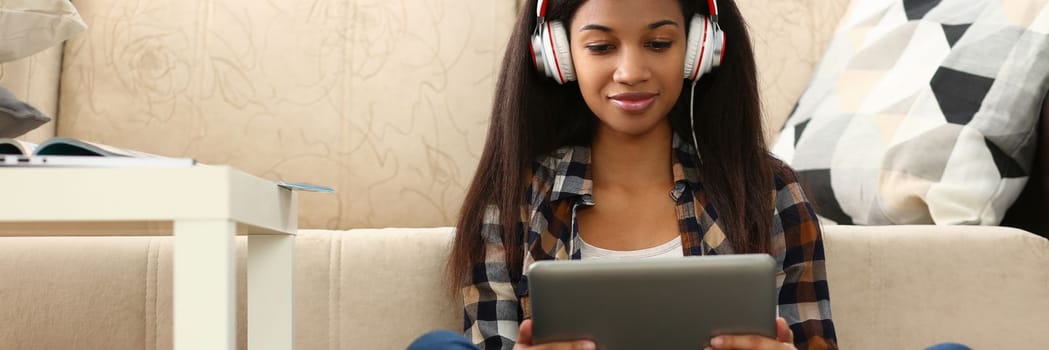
692	46
564	70
698	29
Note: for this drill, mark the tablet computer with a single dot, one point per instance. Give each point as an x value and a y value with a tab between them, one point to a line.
663	303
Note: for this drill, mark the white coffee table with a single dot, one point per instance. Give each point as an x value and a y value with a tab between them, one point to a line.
204	207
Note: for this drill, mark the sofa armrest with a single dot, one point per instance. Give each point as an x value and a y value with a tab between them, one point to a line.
907	287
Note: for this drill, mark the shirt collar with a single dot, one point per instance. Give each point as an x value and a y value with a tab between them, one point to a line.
572	176
686	170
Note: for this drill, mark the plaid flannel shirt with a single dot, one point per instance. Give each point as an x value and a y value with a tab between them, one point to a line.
560	183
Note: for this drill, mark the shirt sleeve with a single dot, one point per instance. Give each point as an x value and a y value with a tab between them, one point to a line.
492	312
804	298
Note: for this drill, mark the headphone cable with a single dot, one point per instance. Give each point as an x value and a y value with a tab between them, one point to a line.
692	118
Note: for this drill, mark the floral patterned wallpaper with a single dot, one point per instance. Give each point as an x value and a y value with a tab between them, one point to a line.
385	100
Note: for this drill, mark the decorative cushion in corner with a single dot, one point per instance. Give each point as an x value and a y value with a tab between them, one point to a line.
30	26
17	117
922	111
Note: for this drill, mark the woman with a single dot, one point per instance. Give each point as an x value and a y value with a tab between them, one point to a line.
590	132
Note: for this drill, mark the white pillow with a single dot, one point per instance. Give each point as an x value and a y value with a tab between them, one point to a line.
30	26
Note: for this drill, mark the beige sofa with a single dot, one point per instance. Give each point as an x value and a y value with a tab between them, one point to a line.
386	101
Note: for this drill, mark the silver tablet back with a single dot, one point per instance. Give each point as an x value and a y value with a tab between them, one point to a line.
668	303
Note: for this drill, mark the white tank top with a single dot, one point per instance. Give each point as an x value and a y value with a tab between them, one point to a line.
668	249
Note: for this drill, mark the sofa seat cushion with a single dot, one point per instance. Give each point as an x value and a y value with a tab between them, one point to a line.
372	288
908	287
892	287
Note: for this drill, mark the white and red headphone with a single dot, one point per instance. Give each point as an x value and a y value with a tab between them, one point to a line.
552	55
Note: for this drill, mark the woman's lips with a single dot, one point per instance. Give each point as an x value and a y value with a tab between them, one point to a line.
634	102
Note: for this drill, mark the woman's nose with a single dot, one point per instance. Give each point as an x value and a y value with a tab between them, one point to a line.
632	67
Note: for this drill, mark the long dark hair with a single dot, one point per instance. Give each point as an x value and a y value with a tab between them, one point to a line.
533	115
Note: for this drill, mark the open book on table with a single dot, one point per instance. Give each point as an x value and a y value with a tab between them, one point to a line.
62	151
67	152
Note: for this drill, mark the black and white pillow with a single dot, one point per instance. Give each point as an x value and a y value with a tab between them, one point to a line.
922	111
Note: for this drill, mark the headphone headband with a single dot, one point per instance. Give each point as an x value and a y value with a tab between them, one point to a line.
540	9
552	56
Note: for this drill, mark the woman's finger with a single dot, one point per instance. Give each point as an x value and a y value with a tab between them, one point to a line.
725	342
783	332
740	342
524	335
525	340
574	345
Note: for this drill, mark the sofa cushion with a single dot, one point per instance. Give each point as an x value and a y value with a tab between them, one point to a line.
923	111
93	293
908	287
30	26
357	289
372	288
379	289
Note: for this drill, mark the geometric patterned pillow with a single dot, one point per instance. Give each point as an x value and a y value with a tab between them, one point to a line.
922	111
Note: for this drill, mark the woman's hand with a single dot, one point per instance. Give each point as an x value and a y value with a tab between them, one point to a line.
784	340
524	341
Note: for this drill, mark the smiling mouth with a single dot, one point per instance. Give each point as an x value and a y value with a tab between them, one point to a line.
634	102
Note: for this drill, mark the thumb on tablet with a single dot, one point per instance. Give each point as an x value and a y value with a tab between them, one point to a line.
524	335
524	341
783	332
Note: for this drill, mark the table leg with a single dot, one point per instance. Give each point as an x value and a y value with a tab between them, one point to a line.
204	285
271	262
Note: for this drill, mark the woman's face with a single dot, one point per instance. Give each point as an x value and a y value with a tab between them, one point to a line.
629	60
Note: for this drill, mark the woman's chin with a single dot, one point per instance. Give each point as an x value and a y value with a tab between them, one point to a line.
634	126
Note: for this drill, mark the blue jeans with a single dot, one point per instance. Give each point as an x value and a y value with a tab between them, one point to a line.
948	346
448	340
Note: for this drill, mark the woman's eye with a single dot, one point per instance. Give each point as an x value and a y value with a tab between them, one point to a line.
600	48
659	45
